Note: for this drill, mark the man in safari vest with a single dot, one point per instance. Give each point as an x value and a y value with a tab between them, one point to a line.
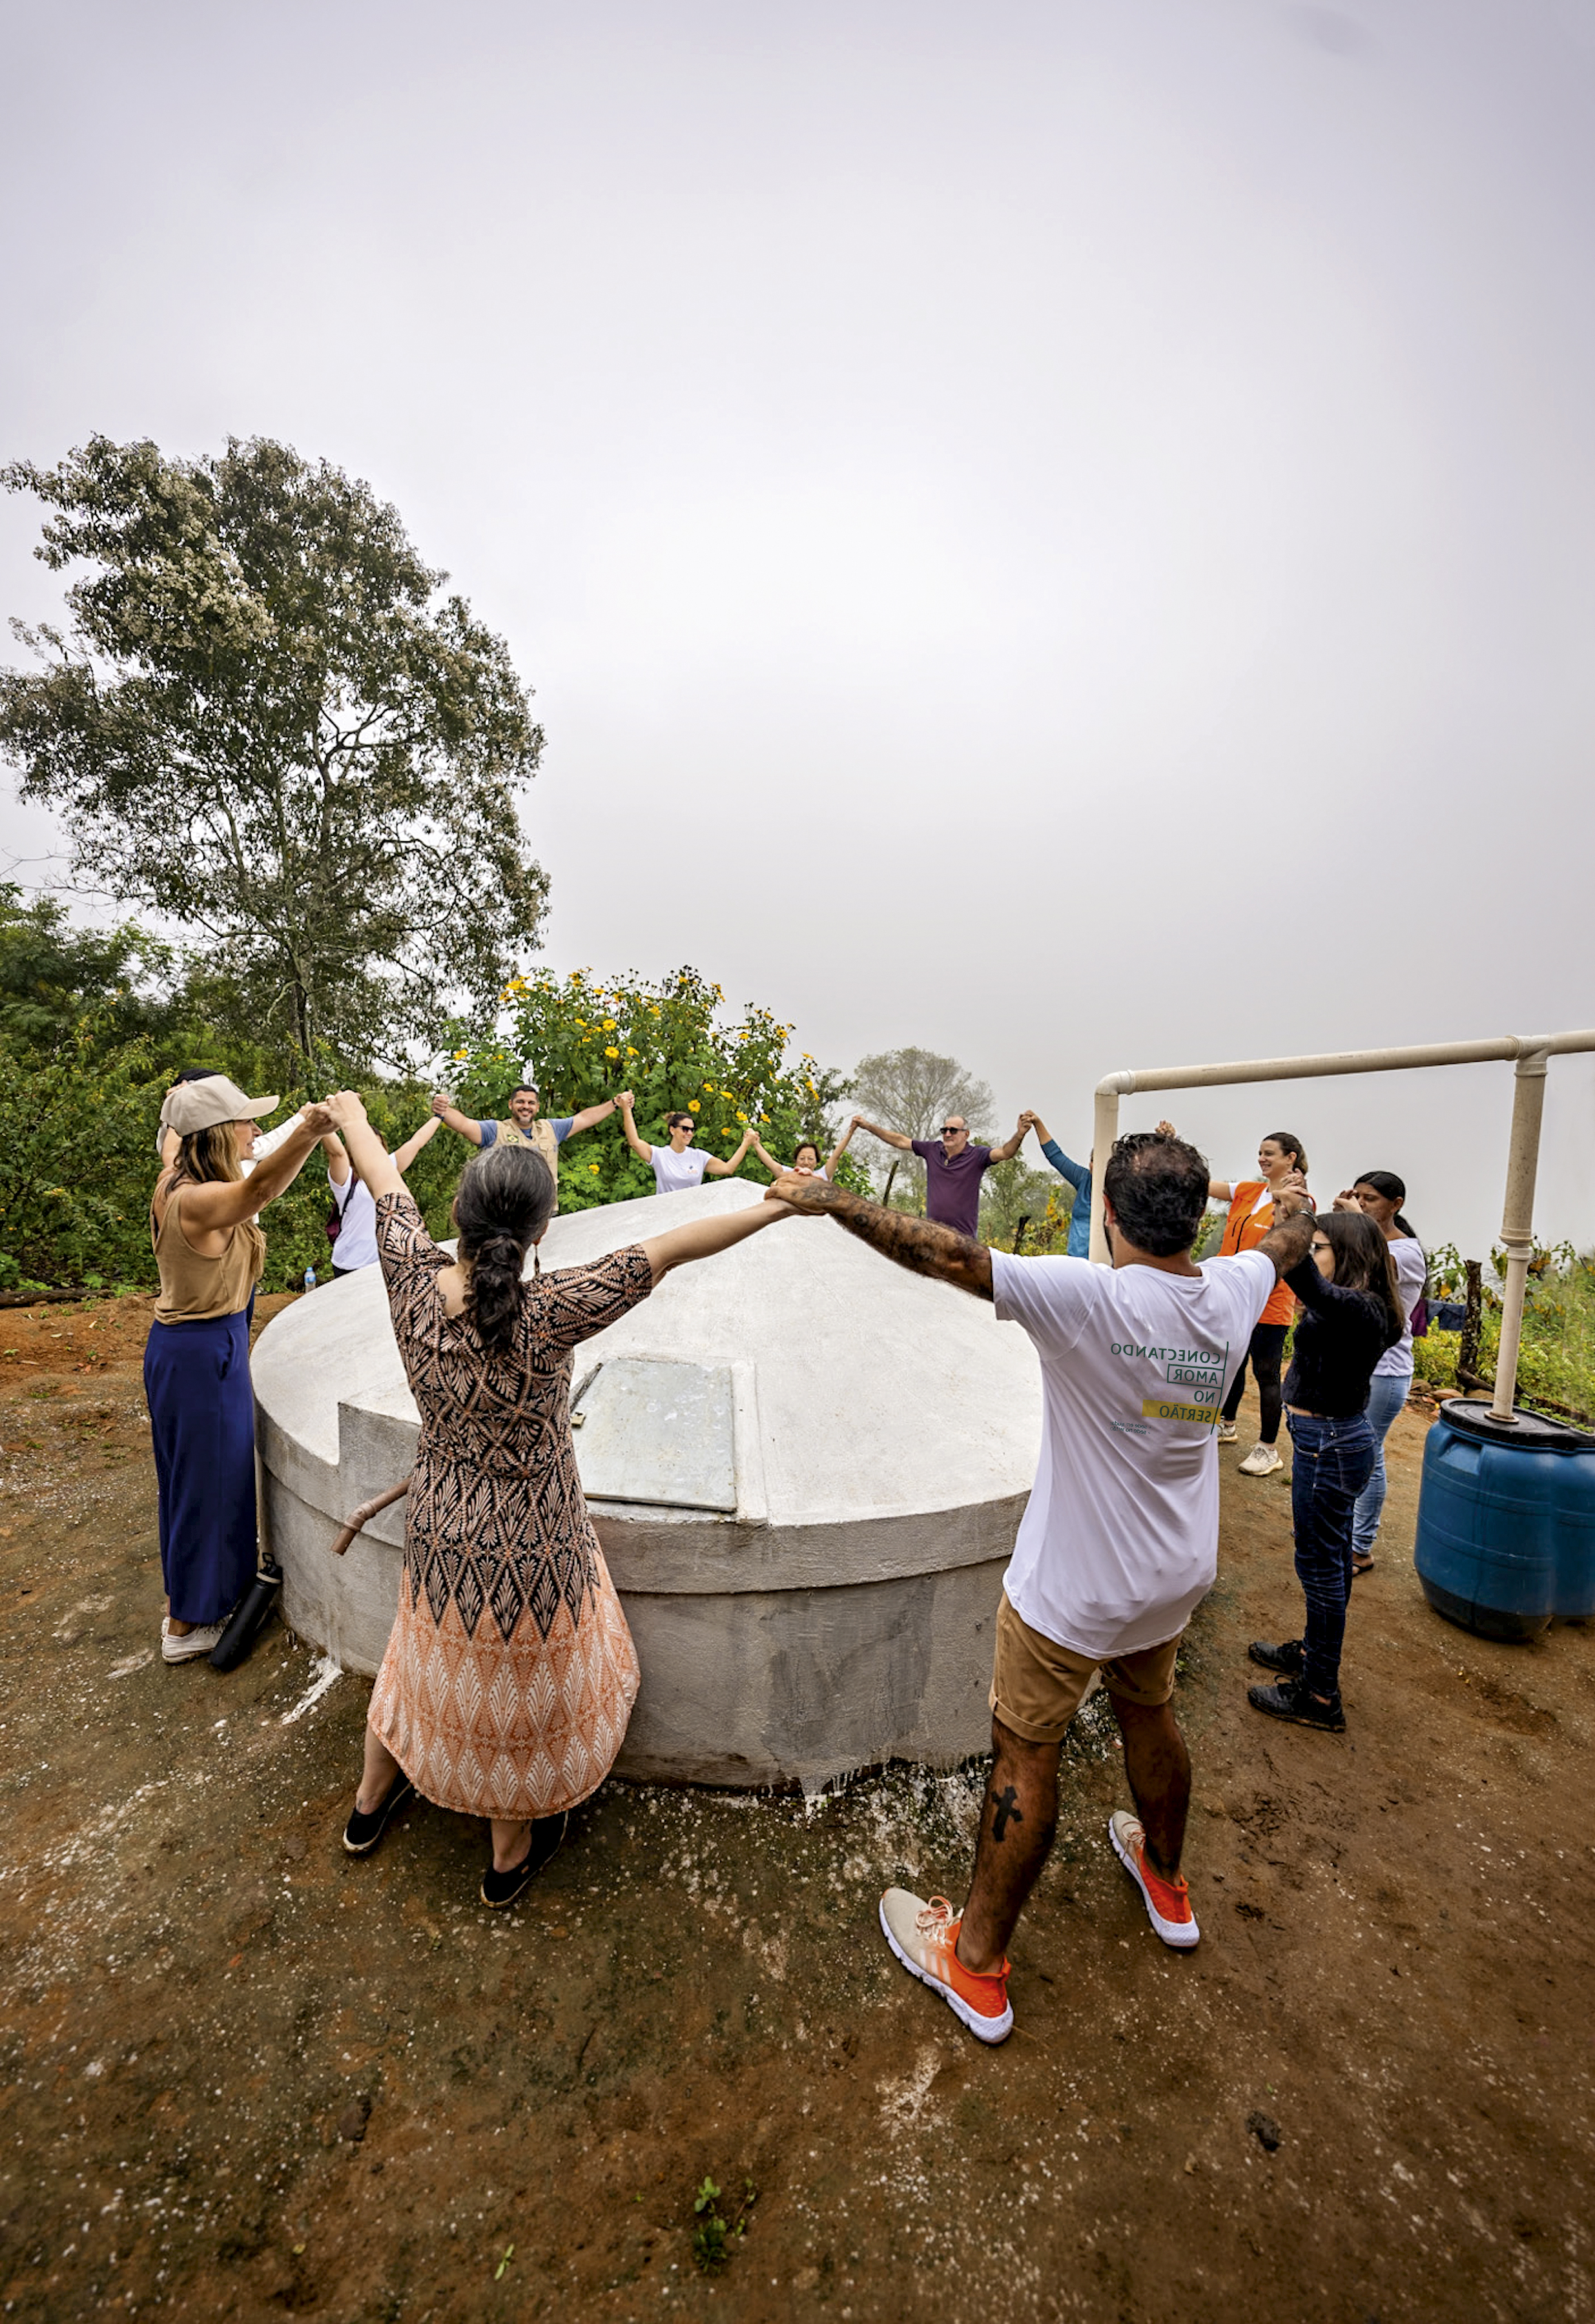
525	1125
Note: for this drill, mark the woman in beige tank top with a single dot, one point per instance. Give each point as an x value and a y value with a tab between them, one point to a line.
209	1252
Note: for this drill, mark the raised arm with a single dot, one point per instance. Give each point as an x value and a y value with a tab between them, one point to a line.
590	1115
924	1246
459	1121
337	1161
827	1167
777	1170
639	1146
1076	1174
367	1150
227	1202
705	1236
715	1168
888	1137
1010	1146
1290	1238
412	1146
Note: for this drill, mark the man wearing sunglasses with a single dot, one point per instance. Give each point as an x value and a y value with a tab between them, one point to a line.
953	1168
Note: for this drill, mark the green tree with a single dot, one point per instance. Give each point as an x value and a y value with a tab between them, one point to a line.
1012	1191
262	721
51	973
583	1040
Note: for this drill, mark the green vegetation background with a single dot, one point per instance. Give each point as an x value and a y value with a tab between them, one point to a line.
95	1026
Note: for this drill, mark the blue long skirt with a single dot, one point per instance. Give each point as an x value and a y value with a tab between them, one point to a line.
203	1420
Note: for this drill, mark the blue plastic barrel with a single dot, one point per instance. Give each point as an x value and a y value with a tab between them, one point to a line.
1506	1538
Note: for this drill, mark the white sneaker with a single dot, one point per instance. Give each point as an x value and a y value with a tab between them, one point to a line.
1261	1461
924	1937
1167	1902
1227	1432
191	1644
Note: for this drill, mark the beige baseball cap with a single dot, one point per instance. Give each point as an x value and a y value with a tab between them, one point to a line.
198	1105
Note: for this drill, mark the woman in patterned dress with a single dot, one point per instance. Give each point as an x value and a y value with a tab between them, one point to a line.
510	1672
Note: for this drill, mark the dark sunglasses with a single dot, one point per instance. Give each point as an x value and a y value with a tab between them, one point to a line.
952	1130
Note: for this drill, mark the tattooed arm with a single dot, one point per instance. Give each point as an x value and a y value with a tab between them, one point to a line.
1290	1238
922	1246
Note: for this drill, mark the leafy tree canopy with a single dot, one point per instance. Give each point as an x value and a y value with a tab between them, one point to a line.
582	1039
52	975
262	721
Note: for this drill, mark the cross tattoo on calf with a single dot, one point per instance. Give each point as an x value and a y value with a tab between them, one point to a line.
1008	1808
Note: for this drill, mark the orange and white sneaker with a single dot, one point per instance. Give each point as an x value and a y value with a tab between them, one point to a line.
1167	1902
924	1935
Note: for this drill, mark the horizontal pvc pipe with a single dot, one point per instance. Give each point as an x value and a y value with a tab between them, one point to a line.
1528	1050
1506	1047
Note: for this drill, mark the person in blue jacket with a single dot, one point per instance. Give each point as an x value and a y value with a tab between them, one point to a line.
1078	1175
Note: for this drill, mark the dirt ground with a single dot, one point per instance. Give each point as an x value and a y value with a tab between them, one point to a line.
245	2075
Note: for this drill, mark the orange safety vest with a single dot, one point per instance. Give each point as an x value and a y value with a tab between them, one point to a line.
1247	1222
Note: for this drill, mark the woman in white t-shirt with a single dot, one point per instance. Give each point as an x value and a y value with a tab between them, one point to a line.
681	1164
805	1163
354	1245
1379	1194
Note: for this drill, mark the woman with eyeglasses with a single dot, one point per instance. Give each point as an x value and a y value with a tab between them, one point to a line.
1352	1314
1379	1195
681	1164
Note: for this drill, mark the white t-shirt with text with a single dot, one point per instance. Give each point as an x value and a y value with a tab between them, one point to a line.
1120	1541
673	1173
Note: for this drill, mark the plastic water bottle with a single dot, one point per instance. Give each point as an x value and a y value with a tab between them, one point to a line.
309	1278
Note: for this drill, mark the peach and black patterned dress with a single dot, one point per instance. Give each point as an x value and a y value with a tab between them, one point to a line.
510	1674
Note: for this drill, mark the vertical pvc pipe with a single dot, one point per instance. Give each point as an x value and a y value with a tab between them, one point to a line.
1104	1131
1522	1162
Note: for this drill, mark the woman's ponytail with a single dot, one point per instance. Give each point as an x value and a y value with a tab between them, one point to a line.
493	1294
505	1199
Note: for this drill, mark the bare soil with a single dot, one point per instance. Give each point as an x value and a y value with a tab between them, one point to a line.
245	2075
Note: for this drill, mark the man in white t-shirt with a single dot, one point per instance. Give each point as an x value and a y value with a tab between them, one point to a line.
681	1164
1118	1543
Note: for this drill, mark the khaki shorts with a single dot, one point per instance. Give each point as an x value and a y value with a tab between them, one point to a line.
1037	1686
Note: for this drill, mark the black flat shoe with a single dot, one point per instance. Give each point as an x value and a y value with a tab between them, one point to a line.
502	1888
1286	1658
1293	1701
362	1833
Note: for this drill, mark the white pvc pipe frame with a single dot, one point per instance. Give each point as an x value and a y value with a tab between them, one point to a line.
1529	1051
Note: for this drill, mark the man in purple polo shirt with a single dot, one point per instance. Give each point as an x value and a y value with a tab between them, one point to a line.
953	1168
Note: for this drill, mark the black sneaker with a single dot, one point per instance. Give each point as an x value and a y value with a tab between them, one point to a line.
362	1833
1293	1701
1286	1658
502	1888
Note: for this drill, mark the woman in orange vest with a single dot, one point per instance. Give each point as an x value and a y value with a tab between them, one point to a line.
1251	1214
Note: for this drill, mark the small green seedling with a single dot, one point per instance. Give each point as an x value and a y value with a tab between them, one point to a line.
509	2253
715	2237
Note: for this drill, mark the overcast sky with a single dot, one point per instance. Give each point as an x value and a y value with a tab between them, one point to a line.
1058	533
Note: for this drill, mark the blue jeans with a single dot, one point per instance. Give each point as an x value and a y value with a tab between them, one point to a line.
1333	1459
1386	1394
